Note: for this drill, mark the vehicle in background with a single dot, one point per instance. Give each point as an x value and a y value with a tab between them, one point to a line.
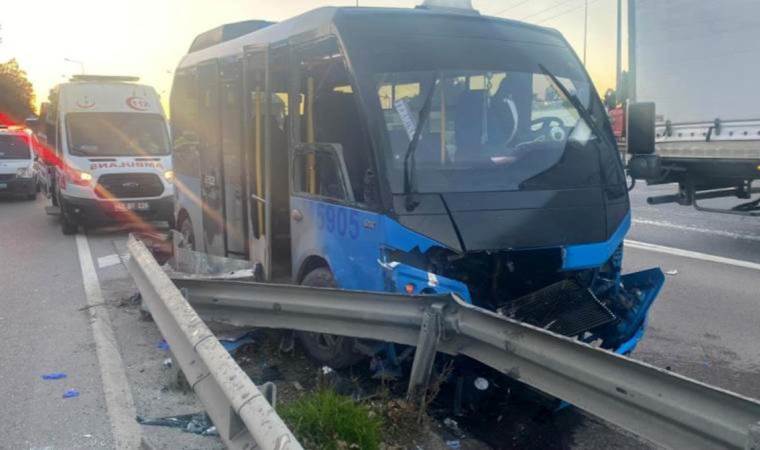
697	68
427	150
17	159
110	152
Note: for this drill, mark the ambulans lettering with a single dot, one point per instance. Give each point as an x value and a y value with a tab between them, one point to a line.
127	164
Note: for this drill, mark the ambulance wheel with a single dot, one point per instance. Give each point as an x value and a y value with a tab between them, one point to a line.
68	226
334	351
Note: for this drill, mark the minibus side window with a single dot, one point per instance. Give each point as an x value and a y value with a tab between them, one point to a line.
184	110
332	116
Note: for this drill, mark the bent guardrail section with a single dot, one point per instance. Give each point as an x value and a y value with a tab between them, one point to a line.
240	412
655	404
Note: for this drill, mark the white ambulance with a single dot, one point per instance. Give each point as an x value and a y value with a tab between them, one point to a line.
17	175
112	156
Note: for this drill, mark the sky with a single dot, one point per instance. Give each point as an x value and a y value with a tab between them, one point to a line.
147	38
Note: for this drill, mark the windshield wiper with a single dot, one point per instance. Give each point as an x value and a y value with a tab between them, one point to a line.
576	102
410	172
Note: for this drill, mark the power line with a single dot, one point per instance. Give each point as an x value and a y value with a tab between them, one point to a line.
545	10
509	8
576	8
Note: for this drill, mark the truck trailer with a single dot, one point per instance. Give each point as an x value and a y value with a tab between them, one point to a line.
698	63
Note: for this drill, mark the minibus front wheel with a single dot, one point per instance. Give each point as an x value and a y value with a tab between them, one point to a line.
334	351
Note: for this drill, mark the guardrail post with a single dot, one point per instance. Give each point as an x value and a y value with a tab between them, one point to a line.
753	439
427	347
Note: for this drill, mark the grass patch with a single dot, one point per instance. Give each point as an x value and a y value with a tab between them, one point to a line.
324	420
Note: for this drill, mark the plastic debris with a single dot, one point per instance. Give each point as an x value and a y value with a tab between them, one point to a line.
455	444
298	386
198	423
326	370
54	376
232	345
671	272
163	345
134	299
71	393
453	426
168	363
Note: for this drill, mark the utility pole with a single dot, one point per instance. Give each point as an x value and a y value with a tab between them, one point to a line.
619	62
631	50
585	30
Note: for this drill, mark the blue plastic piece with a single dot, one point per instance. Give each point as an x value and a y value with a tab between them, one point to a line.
648	283
71	393
163	345
425	282
54	376
232	346
585	256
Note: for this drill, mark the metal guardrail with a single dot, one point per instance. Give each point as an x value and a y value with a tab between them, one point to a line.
242	415
655	404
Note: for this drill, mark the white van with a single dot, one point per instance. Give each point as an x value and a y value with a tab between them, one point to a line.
17	162
113	155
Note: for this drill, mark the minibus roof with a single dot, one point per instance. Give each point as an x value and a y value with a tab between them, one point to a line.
327	20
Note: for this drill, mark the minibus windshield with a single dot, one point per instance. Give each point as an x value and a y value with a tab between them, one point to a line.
117	134
496	121
14	147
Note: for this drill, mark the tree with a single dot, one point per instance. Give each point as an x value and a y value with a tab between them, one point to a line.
16	93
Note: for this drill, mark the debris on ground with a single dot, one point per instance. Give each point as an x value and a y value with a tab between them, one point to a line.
54	376
672	272
133	300
168	363
162	345
71	393
198	423
232	342
453	426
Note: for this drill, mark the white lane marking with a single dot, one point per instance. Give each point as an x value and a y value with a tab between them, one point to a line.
692	255
119	403
675	226
108	261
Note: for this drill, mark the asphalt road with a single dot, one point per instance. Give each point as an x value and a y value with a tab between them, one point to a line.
44	329
705	324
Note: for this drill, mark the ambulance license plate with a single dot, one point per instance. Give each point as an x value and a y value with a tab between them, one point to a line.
131	206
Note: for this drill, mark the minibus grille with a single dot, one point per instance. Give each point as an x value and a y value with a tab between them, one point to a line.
129	185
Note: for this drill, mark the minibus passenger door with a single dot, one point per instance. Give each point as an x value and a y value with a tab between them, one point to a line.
233	162
256	106
211	159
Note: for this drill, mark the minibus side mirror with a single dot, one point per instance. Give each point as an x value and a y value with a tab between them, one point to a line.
640	128
319	169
